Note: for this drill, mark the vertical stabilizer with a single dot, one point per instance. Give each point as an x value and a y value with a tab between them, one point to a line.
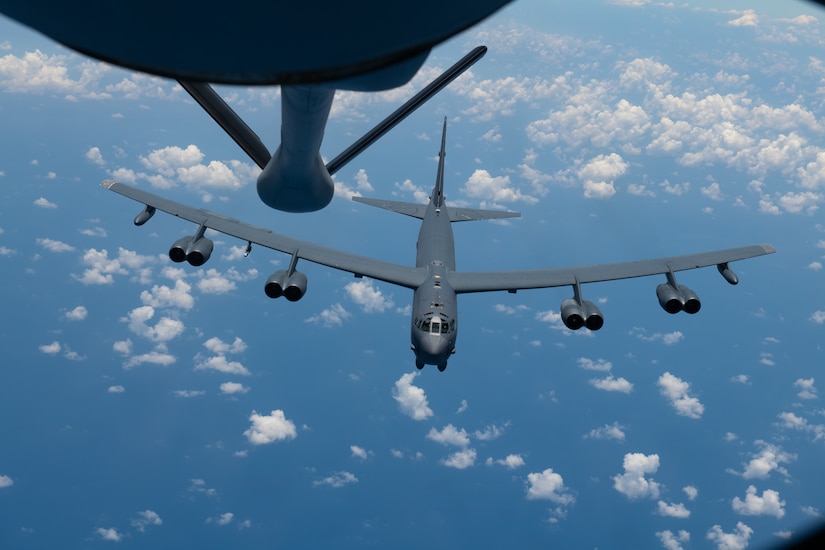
438	191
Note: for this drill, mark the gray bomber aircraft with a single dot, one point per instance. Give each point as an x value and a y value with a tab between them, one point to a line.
434	279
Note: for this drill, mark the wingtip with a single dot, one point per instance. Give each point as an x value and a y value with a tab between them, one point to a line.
107	184
769	249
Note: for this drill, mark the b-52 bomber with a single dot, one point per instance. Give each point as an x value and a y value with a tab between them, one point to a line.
434	280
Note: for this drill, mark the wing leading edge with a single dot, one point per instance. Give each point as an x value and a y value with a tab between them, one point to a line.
405	276
487	281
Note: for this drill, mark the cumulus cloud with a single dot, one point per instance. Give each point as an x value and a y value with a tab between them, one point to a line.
101	269
336	480
671	541
599	174
153	357
45	203
368	297
612	384
164	330
691	492
109	534
548	485
461	460
51	349
116	389
608	431
737	540
754	505
359	452
672	510
769	458
146	518
55	246
163	296
411	399
77	314
216	345
221	364
231	388
598	364
449	435
333	316
676	390
270	428
511	462
806	387
5	481
633	483
496	189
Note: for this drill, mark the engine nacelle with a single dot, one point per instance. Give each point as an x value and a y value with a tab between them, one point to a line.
575	316
177	253
675	299
196	252
199	251
275	284
296	287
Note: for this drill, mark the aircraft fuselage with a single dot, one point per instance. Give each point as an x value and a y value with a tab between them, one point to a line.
435	313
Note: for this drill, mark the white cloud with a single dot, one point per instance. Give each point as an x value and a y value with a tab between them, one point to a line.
691	492
672	510
411	399
497	189
359	452
225	518
269	429
818	317
511	462
461	460
548	485
612	384
153	357
164	330
748	19
146	518
110	534
163	296
598	175
77	314
216	283
608	431
368	297
754	505
116	389
44	203
6	481
463	407
189	393
55	246
768	459
449	435
807	389
51	349
216	345
676	390
598	364
336	480
491	432
672	541
667	339
101	269
633	483
335	315
738	540
221	364
94	155
231	388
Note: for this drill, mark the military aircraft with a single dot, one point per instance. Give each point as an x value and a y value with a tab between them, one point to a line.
434	279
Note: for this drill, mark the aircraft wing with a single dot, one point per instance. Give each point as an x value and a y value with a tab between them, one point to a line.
486	281
406	276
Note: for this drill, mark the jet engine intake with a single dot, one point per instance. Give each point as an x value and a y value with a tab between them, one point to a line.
678	298
196	252
575	316
292	287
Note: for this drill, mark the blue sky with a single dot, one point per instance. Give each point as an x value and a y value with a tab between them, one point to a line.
147	405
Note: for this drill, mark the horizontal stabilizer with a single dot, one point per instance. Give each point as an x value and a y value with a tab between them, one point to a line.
417	210
468	214
413	209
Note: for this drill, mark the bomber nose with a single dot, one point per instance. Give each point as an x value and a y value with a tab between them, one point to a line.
434	346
